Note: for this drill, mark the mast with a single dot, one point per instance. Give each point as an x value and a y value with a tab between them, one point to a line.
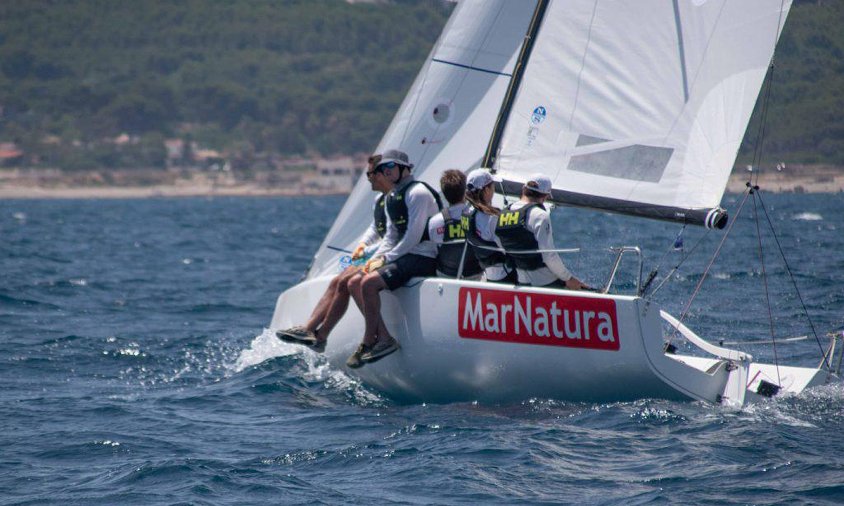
518	72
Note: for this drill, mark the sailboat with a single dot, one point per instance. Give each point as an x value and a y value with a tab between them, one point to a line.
636	108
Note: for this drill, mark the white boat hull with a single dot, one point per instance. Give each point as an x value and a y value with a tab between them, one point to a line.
463	340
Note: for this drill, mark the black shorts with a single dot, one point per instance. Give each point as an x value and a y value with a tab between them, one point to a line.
398	272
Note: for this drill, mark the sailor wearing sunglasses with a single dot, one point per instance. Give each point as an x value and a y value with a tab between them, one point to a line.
402	255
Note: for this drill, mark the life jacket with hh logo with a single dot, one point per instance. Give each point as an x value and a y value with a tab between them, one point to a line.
514	235
485	251
451	251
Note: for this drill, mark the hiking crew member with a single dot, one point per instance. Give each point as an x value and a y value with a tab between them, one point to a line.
334	302
401	255
525	225
446	229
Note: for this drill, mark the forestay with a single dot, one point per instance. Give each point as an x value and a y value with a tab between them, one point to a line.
640	107
447	117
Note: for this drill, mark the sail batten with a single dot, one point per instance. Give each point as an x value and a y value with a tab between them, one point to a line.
470	67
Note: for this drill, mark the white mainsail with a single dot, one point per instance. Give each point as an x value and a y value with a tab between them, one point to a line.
447	117
640	107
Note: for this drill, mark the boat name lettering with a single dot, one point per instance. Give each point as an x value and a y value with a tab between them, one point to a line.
538	318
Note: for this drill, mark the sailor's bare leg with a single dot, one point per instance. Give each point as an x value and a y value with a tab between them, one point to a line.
321	309
338	304
371	288
356	293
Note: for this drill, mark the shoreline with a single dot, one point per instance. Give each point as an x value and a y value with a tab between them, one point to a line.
816	180
157	191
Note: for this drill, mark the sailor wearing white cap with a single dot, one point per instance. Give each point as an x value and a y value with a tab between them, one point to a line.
526	226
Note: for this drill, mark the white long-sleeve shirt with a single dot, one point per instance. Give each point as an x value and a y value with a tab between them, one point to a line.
539	222
420	206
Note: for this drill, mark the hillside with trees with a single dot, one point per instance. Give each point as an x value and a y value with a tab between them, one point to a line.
294	77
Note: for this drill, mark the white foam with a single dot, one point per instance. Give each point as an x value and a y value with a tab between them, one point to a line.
264	347
808	217
267	346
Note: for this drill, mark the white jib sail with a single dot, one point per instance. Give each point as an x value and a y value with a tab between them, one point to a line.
447	117
640	104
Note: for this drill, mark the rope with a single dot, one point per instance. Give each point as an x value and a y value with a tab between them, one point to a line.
765	282
794	283
677	267
757	154
709	266
757	161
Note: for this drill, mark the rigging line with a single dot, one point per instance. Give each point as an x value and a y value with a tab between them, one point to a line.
709	266
794	283
682	260
670	248
760	137
765	283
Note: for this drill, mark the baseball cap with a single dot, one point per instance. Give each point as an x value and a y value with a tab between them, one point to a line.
539	183
397	157
478	179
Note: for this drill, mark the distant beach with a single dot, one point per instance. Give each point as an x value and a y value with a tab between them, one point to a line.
153	183
791	179
30	184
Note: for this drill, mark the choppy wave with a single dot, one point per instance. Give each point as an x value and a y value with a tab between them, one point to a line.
130	375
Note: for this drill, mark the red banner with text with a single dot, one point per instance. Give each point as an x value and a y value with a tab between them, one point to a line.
533	318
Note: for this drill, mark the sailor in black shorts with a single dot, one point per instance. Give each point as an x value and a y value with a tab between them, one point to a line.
401	256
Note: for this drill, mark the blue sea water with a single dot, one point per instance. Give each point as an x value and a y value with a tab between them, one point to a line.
135	369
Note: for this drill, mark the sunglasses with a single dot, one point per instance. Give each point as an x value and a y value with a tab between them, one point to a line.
387	165
371	173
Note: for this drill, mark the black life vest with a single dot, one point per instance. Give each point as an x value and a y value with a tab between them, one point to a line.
397	206
380	216
486	257
514	235
450	252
